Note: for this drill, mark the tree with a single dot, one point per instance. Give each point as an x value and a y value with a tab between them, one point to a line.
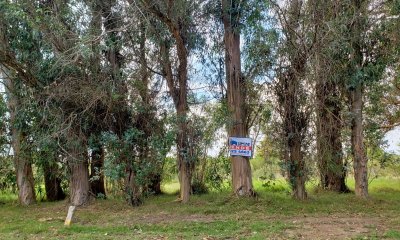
177	17
329	121
355	94
236	94
22	161
291	94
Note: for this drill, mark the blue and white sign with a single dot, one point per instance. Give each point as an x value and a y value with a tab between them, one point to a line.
240	147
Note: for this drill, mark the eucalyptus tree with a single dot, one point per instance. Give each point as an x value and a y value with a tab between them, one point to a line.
236	95
27	58
326	67
290	89
72	95
355	93
180	37
369	42
22	160
249	20
10	70
351	57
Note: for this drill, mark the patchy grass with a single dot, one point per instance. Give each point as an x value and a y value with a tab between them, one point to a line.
6	197
217	215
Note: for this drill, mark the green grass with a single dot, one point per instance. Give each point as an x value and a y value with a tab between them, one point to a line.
7	197
217	215
393	234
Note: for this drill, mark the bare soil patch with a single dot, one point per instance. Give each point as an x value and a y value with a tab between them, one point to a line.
336	227
171	218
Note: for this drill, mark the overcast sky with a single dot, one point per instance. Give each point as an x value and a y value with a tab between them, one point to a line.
393	138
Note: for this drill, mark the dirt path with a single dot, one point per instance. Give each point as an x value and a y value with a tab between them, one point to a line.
336	227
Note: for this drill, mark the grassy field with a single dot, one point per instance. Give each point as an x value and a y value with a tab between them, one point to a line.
272	215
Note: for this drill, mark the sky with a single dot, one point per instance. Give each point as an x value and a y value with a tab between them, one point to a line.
393	140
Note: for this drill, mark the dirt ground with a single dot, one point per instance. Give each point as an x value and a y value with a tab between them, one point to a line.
335	227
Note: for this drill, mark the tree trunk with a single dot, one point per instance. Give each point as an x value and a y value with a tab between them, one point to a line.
328	102
155	184
132	190
79	179
96	172
356	98
236	90
25	181
291	97
177	86
357	145
22	163
329	145
297	170
112	23
147	119
184	161
52	182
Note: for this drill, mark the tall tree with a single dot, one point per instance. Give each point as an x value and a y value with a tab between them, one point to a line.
329	122
177	16
370	55
236	95
355	92
291	93
22	161
69	94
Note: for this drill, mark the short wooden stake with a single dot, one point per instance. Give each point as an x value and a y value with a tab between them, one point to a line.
70	215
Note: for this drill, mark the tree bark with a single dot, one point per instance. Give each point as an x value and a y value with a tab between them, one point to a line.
25	181
360	160
132	190
185	164
329	144
357	145
290	93
178	90
22	162
79	169
329	147
297	169
236	95
328	101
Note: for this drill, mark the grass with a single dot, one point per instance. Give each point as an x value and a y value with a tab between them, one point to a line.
217	215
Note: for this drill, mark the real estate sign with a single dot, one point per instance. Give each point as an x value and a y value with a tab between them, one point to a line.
240	146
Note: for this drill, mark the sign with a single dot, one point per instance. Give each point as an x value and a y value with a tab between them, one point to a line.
240	146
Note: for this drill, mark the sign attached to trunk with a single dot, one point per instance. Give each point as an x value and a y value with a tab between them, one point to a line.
240	146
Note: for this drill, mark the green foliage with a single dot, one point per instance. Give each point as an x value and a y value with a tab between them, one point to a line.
260	39
125	151
218	172
8	181
170	171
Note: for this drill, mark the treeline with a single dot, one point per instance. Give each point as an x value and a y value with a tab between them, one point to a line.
105	88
